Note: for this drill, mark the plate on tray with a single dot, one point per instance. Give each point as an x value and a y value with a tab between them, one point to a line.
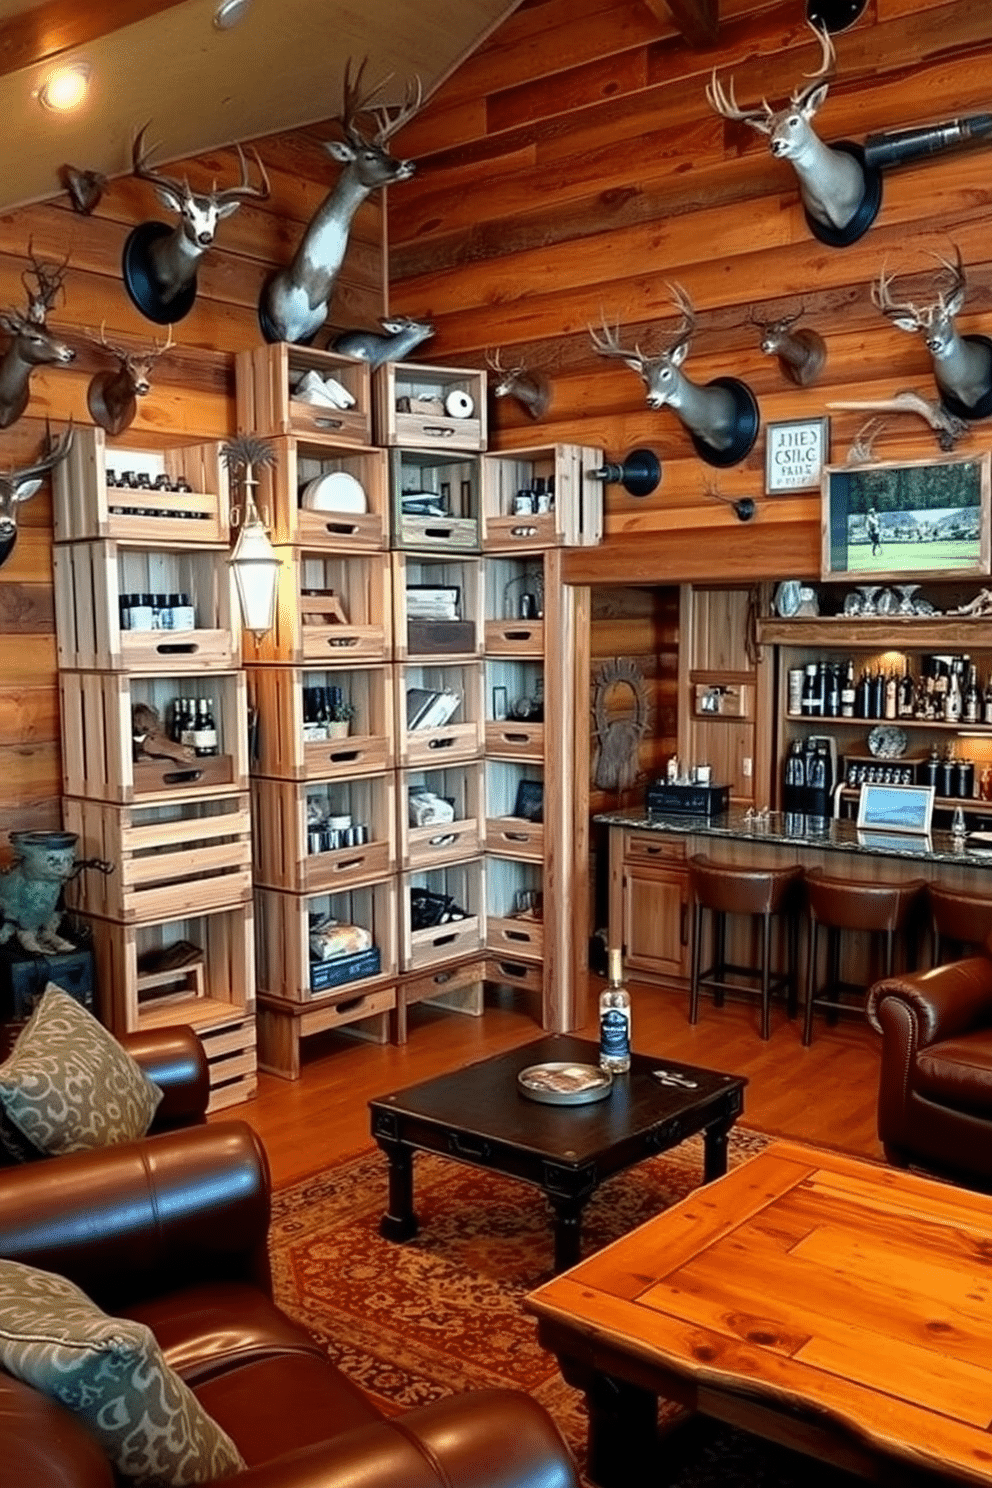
561	1083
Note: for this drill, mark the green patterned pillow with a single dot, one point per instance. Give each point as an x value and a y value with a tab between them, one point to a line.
110	1372
68	1085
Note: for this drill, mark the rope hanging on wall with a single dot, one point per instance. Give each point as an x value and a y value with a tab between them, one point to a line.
620	713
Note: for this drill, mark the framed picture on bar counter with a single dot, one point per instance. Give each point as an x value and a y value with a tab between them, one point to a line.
912	520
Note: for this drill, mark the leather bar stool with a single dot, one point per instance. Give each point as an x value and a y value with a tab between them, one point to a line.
961	922
839	904
756	892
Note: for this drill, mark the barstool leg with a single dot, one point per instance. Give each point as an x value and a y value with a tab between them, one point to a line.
719	954
810	980
766	954
697	935
792	951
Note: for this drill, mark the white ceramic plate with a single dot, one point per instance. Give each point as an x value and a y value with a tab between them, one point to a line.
336	491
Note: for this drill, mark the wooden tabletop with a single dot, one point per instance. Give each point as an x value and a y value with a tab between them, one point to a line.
805	1285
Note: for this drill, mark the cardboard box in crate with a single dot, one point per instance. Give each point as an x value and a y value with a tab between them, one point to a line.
515	908
98	746
91	577
438	842
167	860
519	511
284	958
285	487
434	501
330	608
85	507
291	853
459	736
437	604
215	987
267	380
281	750
430	407
463	884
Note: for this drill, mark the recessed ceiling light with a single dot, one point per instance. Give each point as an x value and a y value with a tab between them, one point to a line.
229	13
65	88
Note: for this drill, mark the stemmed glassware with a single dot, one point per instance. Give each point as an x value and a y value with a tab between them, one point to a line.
907	605
868	593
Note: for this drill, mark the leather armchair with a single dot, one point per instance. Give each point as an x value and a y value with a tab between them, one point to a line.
935	1084
172	1230
174	1058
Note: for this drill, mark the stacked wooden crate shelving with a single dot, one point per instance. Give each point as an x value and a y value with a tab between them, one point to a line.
177	833
333	630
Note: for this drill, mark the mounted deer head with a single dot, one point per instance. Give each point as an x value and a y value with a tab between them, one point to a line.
400	336
160	264
801	354
294	303
722	418
834	185
18	486
31	344
112	397
531	389
962	365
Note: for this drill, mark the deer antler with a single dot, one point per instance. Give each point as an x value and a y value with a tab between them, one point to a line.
607	343
685	306
54	452
882	299
245	190
947	426
724	102
828	62
49	281
139	161
355	103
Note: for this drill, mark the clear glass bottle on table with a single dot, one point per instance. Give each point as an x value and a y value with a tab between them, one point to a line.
614	1019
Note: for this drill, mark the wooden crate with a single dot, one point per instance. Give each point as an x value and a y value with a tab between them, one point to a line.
511	682
85	507
515	740
232	1054
167	860
508	971
330	608
513	929
514	605
288	857
283	966
282	1025
459	739
443	842
300	461
219	988
451	481
435	944
576	516
507	832
97	746
414	637
91	577
265	381
282	753
433	427
457	989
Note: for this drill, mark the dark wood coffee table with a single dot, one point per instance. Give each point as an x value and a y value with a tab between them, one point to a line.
478	1116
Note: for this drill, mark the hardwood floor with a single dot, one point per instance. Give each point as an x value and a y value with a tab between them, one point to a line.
824	1094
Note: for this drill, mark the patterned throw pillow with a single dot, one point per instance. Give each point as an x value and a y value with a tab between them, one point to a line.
110	1372
68	1085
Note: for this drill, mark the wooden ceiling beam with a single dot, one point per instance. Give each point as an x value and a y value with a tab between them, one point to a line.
57	26
698	20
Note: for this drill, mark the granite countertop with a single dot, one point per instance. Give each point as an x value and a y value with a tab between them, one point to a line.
839	836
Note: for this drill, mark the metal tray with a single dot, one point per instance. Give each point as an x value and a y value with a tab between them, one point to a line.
532	1082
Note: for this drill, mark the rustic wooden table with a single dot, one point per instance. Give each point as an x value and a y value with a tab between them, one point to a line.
840	1308
478	1115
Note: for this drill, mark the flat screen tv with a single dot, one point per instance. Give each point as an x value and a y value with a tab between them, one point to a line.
916	519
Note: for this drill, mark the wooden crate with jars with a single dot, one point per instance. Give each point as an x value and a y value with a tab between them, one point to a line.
167	859
319	724
330	607
122	735
434	500
198	969
425	407
440	814
320	496
133	607
166	498
437	606
323	835
287	389
442	913
542	497
439	711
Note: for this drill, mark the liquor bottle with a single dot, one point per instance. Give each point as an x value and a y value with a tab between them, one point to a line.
891	707
864	694
971	707
953	701
847	692
205	729
614	1020
905	708
189	723
878	694
987	701
809	689
833	691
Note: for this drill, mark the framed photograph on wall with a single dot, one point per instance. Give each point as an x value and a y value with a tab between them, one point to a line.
795	454
914	519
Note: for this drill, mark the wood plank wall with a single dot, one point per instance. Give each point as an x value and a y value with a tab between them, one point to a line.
192	397
572	167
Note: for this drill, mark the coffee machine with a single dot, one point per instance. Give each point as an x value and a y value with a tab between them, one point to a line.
810	775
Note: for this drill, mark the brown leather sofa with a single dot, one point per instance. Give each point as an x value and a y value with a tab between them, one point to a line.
935	1084
172	1230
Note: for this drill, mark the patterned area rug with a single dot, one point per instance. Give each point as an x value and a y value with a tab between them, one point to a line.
443	1312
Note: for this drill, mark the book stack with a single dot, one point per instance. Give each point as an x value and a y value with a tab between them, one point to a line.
426	709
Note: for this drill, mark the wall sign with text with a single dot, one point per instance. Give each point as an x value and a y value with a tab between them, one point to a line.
795	454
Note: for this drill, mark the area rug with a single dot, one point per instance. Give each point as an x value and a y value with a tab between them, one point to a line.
443	1312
